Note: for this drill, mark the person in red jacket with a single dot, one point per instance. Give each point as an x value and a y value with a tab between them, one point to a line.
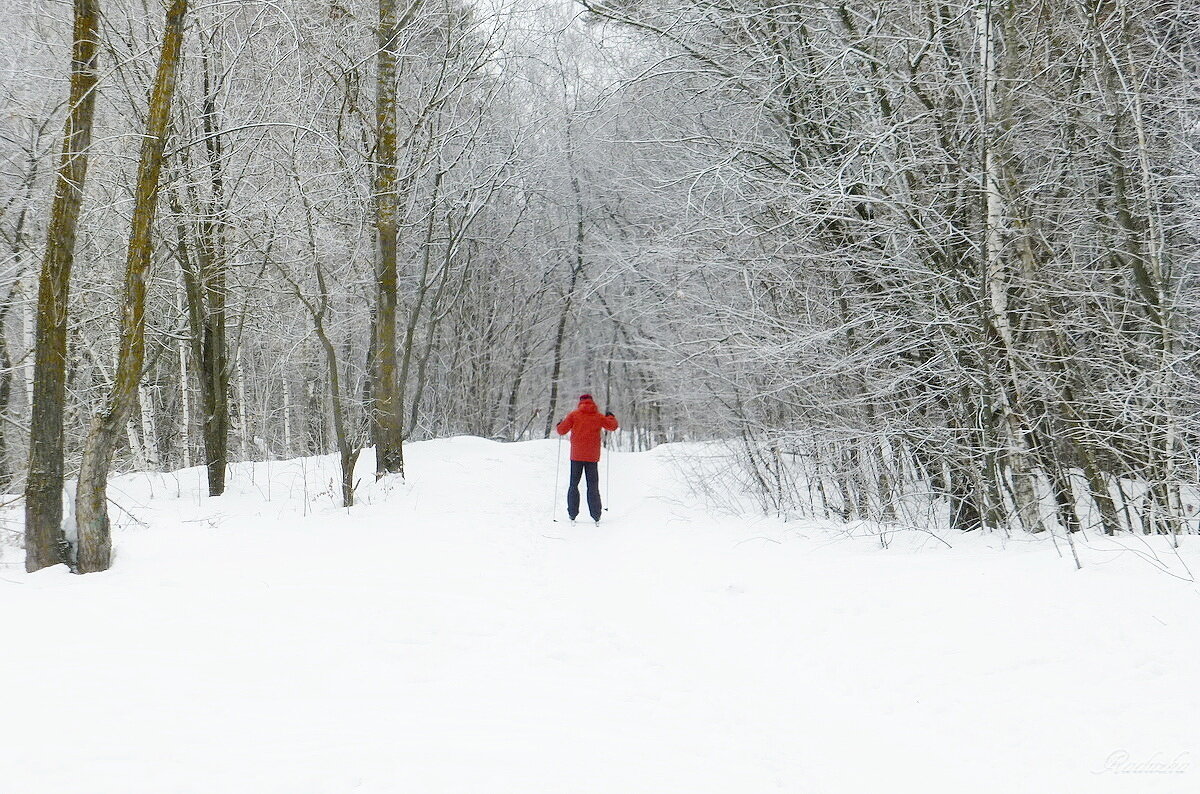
584	424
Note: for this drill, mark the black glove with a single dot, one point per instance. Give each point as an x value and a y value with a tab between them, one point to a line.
610	413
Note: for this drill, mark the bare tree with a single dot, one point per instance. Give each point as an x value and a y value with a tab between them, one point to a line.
44	486
94	550
385	390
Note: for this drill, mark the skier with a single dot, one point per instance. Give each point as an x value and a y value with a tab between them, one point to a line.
584	425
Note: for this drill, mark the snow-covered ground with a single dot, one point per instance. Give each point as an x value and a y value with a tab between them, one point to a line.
446	636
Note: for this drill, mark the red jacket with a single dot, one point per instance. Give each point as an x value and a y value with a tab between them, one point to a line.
584	424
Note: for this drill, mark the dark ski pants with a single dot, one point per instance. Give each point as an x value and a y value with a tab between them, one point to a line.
592	470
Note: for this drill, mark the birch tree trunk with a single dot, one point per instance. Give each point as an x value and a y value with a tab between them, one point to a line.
996	288
6	379
287	417
149	431
185	399
243	420
43	488
94	551
27	335
14	293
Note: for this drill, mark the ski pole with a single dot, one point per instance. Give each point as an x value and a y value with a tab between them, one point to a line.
557	473
607	475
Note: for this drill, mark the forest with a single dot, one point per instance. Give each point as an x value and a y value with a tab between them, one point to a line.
916	261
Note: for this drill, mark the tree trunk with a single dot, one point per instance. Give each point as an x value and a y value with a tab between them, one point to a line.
556	368
244	434
965	514
6	379
389	421
214	384
211	296
27	336
287	416
205	283
347	450
7	472
91	513
43	488
515	392
185	401
576	270
1014	443
149	431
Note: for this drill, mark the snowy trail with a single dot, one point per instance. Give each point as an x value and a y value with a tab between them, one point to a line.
446	636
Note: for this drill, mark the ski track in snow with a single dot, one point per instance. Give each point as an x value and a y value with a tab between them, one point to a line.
445	635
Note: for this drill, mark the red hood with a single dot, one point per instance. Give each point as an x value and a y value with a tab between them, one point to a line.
588	406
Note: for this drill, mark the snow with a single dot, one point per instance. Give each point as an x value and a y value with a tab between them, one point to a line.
445	635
